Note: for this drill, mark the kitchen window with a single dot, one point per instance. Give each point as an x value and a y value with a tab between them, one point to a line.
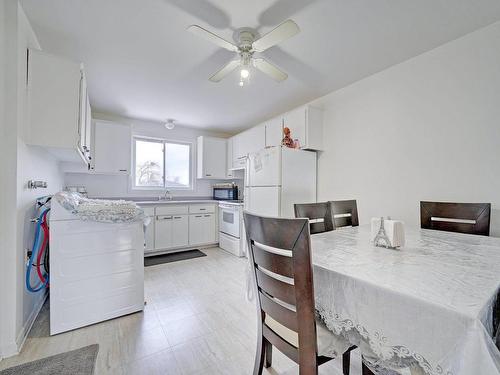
162	164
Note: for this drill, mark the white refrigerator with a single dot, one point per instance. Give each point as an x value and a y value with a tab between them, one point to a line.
277	178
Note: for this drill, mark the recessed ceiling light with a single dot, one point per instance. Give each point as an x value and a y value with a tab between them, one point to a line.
170	124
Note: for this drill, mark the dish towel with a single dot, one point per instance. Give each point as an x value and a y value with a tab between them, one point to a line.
394	229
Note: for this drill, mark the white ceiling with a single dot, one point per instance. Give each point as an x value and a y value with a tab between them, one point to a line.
142	63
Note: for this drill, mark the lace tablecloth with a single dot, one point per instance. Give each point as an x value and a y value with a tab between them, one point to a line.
425	309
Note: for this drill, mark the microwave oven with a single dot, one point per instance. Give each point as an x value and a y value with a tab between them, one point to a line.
226	193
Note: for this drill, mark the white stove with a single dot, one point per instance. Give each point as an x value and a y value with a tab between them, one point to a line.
231	227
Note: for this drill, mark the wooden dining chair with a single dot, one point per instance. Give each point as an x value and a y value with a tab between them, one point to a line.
345	213
280	253
319	215
471	218
496	320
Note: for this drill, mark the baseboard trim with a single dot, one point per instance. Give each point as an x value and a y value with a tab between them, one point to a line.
23	334
7	351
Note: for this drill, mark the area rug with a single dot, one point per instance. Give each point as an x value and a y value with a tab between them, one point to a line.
80	361
173	257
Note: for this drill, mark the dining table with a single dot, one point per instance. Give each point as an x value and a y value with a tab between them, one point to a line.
430	307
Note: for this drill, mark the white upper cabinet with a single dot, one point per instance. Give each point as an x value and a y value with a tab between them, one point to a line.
212	156
111	148
238	156
229	159
85	121
251	140
254	139
306	126
57	116
86	142
274	131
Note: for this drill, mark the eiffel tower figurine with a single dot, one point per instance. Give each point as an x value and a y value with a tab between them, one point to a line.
381	236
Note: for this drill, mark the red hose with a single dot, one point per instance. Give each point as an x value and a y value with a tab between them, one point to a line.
42	249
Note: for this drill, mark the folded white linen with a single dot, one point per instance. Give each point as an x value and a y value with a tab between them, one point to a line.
394	230
107	211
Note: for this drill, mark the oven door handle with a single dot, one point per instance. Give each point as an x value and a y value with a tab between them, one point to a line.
228	207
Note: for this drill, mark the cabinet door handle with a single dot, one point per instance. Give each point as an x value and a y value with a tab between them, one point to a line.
198	216
242	157
208	215
208	175
177	217
202	209
164	218
122	170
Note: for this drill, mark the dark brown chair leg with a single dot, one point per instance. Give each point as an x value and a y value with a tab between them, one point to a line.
259	356
269	354
346	363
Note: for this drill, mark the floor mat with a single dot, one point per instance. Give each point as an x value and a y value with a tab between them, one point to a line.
173	257
80	361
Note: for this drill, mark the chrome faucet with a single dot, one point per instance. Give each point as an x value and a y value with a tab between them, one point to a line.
167	196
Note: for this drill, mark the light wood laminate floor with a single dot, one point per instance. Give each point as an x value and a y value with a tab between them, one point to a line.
197	321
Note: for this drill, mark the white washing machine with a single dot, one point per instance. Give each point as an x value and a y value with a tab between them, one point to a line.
96	270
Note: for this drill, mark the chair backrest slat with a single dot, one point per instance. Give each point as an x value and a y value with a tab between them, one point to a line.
281	314
283	346
345	213
276	288
319	215
277	263
471	218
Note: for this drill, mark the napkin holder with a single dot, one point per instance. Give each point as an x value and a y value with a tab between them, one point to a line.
381	239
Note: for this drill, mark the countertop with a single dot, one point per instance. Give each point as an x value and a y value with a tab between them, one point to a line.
153	201
174	201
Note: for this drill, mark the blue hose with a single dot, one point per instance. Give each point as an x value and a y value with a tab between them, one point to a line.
36	248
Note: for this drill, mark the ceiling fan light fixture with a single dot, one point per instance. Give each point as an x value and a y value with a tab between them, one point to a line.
246	47
244	73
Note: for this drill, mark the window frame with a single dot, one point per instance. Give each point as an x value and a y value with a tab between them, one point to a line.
163	141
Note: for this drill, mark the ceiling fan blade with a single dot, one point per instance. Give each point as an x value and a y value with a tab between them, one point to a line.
228	68
282	32
211	37
271	70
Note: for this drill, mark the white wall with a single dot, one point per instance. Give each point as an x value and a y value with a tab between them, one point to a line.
7	182
19	164
119	186
426	129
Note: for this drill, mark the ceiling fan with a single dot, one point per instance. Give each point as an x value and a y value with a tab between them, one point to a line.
246	47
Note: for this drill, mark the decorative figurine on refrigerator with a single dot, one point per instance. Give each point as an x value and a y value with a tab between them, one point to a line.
287	139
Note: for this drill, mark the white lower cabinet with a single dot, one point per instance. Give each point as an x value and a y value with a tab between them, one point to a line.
196	226
211	233
163	232
201	229
179	226
180	230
